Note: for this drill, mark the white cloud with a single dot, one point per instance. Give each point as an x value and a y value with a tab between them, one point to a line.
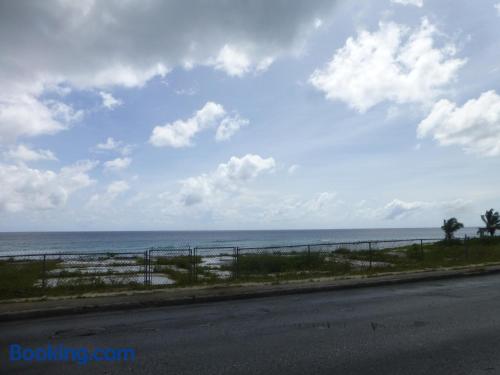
109	101
25	153
318	22
497	7
24	188
110	144
475	126
392	64
25	115
180	133
398	209
187	92
107	44
117	164
418	3
228	177
320	202
229	126
321	206
117	187
113	145
113	190
234	62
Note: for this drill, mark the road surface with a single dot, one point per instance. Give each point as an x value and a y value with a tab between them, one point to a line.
445	327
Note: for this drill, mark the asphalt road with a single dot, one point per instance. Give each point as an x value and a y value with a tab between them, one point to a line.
446	327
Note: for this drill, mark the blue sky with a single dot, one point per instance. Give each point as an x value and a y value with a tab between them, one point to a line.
149	115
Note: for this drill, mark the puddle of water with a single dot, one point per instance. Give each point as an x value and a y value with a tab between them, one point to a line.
156	279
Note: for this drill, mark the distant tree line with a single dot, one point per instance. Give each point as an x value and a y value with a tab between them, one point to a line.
491	219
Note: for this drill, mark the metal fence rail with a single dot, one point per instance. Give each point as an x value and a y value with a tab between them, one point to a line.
166	266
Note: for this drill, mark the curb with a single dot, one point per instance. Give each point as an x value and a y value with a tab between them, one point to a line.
220	294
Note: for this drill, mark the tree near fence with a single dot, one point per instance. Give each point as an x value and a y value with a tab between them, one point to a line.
450	226
492	221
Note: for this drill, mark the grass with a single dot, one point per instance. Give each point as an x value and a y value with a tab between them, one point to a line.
20	279
346	262
286	266
181	261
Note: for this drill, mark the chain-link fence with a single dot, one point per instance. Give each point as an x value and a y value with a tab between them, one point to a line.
29	274
32	274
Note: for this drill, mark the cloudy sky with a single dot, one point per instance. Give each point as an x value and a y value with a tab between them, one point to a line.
123	115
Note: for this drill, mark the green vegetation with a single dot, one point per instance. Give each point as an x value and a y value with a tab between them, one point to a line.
181	261
492	221
22	278
287	266
178	268
18	279
450	226
447	253
272	263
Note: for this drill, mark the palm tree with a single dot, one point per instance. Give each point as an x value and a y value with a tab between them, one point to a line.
450	226
492	221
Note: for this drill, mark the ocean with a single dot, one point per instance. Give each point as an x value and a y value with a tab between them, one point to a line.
35	242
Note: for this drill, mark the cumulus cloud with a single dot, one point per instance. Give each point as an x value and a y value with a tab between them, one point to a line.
229	126
394	64
24	188
228	177
57	46
187	92
25	115
418	3
117	187
113	145
180	133
109	101
113	190
117	164
233	61
24	153
319	207
110	144
398	209
475	126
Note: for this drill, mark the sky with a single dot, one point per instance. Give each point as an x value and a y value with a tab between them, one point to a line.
197	115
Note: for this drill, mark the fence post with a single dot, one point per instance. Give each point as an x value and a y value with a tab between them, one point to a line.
370	254
466	249
195	266
236	254
191	265
309	250
145	267
44	271
422	249
150	268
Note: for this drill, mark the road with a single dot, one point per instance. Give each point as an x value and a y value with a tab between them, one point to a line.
445	327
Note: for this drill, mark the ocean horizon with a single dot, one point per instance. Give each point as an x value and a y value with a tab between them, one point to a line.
132	241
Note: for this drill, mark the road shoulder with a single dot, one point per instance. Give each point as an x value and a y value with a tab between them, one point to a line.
48	307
